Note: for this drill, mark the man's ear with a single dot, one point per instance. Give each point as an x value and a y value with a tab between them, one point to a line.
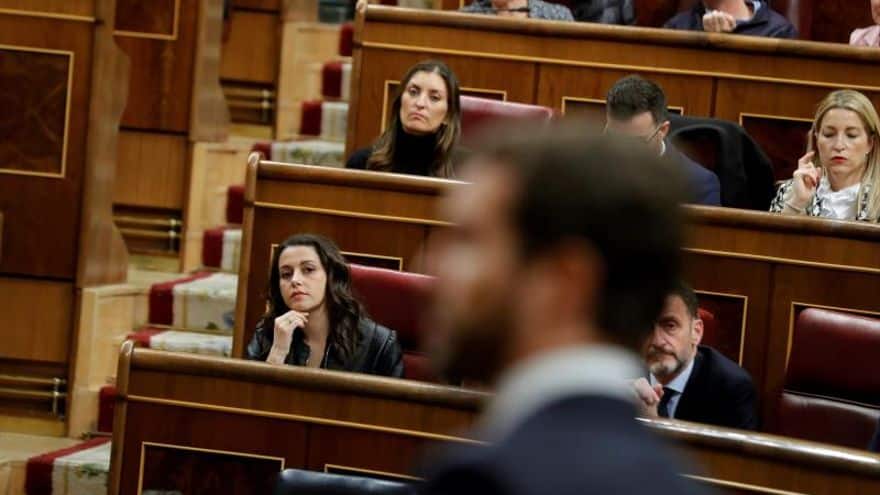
697	334
664	130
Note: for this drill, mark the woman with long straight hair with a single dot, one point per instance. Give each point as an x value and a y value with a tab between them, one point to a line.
423	128
312	319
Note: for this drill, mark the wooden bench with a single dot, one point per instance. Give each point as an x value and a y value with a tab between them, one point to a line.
204	418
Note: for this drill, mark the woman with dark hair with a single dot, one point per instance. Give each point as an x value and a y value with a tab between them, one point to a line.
312	319
423	128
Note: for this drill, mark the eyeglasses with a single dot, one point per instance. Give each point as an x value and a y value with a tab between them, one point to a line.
608	130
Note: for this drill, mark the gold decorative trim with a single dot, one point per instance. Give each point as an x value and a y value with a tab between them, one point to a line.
786	261
621	67
48	15
745	314
566	99
140	485
398	259
369	472
298	417
804	305
352	214
741	486
70	68
387	91
155	36
771	117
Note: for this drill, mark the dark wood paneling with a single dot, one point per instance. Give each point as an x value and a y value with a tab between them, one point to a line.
159	93
377	426
273	5
685	94
36	321
182	427
33	94
252	51
151	170
41	214
154	17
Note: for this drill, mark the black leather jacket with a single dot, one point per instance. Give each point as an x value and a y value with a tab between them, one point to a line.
377	353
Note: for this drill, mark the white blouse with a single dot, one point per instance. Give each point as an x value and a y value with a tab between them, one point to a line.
839	205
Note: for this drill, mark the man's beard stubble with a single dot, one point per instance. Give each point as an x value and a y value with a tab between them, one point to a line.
476	347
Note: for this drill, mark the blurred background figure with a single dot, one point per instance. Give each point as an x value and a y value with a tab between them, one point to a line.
564	249
869	36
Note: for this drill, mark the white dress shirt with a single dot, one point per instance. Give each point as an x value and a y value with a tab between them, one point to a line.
677	385
584	370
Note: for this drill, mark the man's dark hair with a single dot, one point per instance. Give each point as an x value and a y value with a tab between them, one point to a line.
620	199
688	297
633	95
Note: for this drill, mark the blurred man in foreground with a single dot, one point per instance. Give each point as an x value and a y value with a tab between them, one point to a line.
563	252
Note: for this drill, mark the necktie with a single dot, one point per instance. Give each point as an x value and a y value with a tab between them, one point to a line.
663	406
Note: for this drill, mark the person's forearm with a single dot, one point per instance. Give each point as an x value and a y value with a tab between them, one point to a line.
276	355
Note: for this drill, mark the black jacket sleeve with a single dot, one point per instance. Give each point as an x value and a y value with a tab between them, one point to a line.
390	359
744	406
358	159
259	346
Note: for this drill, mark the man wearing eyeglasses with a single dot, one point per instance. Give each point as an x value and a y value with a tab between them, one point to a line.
636	107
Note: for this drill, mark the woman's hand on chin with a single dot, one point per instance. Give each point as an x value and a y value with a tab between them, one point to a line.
285	325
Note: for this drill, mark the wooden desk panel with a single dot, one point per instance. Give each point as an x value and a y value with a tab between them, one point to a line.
372	426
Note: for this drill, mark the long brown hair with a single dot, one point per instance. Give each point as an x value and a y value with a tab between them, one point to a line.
343	310
860	104
382	158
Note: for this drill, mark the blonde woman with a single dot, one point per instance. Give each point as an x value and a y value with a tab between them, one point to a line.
839	176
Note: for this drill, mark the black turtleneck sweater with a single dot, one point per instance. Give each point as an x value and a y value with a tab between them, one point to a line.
413	154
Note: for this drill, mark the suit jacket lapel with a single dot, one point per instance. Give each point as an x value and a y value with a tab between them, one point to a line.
689	402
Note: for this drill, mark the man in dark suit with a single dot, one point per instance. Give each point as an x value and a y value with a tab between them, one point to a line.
554	271
689	381
636	107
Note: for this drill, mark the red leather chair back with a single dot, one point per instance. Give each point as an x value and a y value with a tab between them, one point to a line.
832	388
479	113
397	300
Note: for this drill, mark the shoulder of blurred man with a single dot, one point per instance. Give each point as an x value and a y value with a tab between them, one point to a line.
705	188
538	10
576	445
875	441
604	11
719	392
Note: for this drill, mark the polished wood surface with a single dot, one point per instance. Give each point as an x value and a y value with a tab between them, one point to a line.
252	51
209	117
559	65
324	420
284	410
103	258
161	70
73	8
36	320
755	269
151	171
364	212
65	95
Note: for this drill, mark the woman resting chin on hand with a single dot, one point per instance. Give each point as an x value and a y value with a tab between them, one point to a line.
314	320
839	177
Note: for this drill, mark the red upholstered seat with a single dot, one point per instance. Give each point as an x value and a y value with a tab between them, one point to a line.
478	113
235	205
331	80
161	302
397	300
832	388
264	148
310	118
346	39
